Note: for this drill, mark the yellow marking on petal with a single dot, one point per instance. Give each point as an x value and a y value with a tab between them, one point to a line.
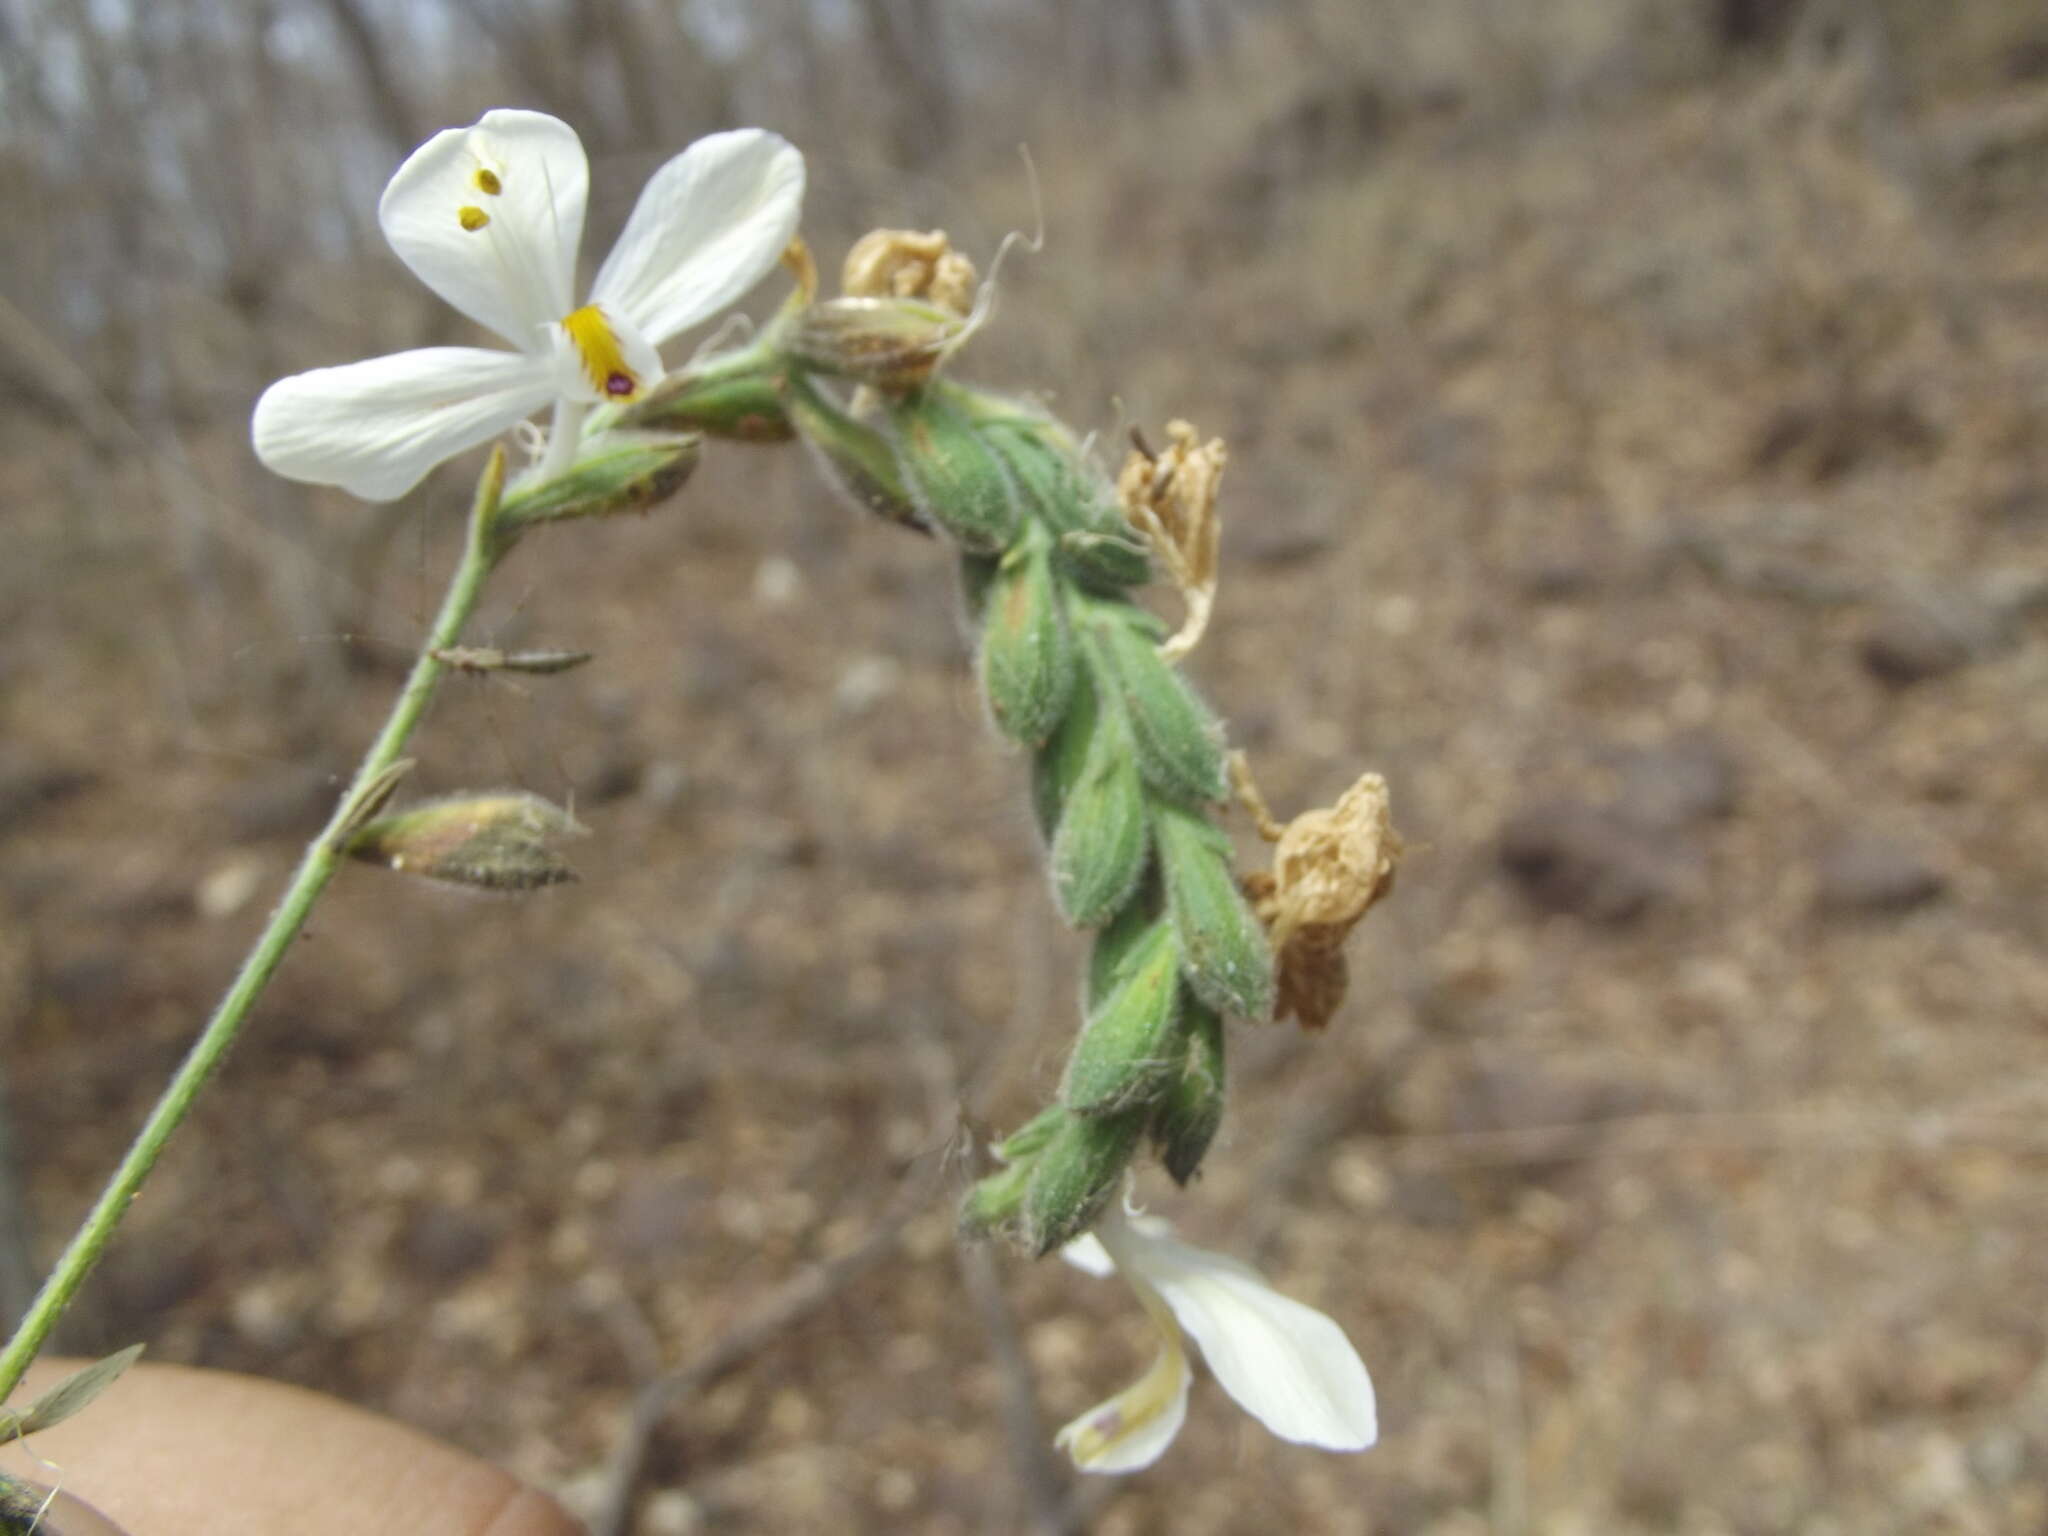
472	217
1108	1425
487	181
604	360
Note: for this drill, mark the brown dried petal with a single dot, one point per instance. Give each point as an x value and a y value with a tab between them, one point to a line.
907	264
1171	498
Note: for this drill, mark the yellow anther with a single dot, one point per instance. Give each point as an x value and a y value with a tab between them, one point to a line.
487	180
604	360
473	218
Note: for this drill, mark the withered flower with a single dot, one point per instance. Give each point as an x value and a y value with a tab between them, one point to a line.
907	264
1329	867
1170	498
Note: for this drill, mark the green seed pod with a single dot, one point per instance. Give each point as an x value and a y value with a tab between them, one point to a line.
996	1203
1223	948
1098	852
1180	743
1186	1118
619	472
890	343
503	841
956	481
1075	1176
1091	540
854	458
1027	651
1129	1050
743	406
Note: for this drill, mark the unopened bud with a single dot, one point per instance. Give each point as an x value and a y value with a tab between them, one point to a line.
1075	1175
744	405
1116	942
1091	539
1223	948
502	841
619	472
1027	652
1023	1143
1180	743
957	481
893	344
1126	1052
1089	773
1191	1110
855	459
996	1203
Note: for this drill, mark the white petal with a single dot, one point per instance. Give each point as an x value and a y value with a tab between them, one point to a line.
516	271
1132	1429
1087	1254
1287	1365
707	228
376	428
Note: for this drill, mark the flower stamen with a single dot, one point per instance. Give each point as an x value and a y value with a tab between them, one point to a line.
604	359
487	181
471	217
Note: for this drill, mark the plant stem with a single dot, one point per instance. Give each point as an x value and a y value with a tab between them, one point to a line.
481	552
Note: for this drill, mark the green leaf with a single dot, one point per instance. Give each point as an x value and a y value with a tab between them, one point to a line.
68	1396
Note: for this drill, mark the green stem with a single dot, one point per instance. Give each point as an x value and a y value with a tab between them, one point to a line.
482	551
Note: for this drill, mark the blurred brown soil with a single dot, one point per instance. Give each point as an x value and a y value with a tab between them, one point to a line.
1679	1160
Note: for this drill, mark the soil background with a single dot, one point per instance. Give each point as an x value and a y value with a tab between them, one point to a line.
1637	428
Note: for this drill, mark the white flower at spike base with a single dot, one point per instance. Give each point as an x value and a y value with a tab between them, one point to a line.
490	218
1288	1365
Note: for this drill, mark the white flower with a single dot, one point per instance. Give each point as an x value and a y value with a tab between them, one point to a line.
490	218
1288	1365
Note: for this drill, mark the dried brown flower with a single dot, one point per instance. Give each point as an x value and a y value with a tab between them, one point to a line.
906	264
1170	498
1329	867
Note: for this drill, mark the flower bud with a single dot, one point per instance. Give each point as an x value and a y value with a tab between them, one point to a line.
1075	1175
1024	1143
1027	652
618	472
995	1203
1089	774
1223	948
893	344
1127	1051
1092	541
744	406
1180	743
500	842
956	480
1109	958
854	458
1187	1116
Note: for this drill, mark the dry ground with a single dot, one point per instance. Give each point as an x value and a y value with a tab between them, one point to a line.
1653	489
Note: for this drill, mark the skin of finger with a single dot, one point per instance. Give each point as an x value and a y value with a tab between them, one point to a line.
169	1451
